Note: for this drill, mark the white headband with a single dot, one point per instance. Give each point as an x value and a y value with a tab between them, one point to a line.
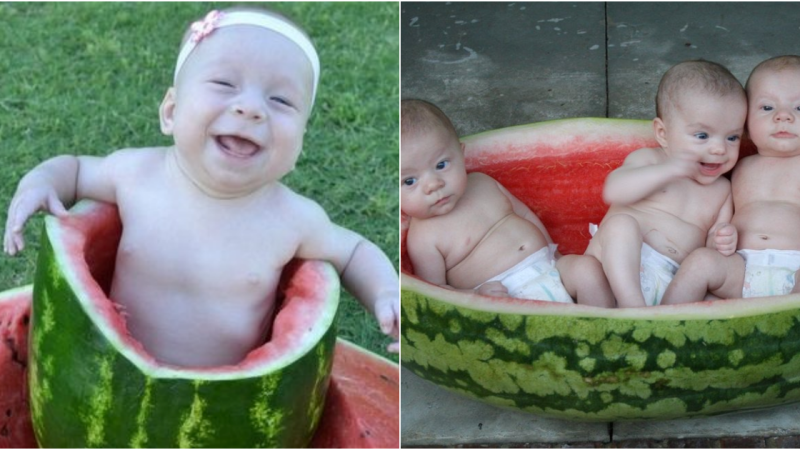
215	19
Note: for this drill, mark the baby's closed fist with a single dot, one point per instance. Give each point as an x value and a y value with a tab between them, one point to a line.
725	239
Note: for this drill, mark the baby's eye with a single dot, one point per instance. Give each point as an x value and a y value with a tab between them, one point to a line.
409	181
222	83
701	135
766	108
442	164
733	138
282	101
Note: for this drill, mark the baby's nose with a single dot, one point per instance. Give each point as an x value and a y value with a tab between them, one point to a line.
249	108
784	116
434	184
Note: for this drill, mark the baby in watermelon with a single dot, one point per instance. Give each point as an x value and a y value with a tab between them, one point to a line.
467	232
668	201
766	198
207	224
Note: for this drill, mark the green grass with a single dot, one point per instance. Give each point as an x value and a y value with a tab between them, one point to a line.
88	78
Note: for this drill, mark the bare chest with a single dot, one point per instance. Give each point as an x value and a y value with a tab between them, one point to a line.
203	255
768	180
689	202
476	215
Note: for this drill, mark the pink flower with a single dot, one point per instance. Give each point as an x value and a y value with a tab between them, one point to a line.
203	28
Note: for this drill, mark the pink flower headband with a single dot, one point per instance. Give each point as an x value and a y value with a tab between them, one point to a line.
215	19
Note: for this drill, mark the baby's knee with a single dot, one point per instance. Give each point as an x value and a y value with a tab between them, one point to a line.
621	224
588	265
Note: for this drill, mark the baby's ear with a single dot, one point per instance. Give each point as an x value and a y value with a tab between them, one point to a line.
166	112
660	131
463	146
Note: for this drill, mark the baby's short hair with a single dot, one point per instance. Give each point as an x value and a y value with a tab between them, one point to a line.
417	116
775	64
696	75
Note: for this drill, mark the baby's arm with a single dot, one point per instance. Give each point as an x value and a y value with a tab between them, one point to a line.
723	236
642	174
522	210
429	264
365	270
51	185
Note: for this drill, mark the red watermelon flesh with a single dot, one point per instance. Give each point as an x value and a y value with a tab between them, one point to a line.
361	408
15	419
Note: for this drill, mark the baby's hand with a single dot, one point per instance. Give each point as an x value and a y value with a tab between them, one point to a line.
387	311
25	203
725	239
684	164
493	289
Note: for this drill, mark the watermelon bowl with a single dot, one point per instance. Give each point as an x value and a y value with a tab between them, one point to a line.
579	362
71	376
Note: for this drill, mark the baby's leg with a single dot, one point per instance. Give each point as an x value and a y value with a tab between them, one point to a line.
618	246
796	288
706	270
585	281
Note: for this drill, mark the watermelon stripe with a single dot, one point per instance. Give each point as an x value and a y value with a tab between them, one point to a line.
140	436
602	368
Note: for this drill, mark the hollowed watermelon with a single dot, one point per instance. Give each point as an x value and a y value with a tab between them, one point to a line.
361	407
580	362
92	385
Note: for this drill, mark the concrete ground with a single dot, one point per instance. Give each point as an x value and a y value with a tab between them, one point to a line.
492	65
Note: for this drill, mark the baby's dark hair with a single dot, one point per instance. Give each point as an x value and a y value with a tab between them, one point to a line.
417	116
775	64
696	75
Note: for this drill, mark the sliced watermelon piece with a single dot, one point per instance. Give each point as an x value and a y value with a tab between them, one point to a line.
361	408
580	362
93	385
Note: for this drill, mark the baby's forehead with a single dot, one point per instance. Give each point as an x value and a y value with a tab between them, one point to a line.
246	33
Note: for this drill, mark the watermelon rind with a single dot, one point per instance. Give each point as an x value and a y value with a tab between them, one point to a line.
92	386
592	364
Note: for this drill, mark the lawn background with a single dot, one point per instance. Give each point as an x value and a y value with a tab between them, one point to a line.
88	78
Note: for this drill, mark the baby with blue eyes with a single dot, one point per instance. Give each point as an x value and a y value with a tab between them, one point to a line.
468	233
207	224
766	197
665	202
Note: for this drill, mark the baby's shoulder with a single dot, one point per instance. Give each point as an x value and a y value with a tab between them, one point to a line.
133	159
645	156
479	179
297	208
482	181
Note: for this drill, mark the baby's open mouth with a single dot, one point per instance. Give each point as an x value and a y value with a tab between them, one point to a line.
236	146
710	169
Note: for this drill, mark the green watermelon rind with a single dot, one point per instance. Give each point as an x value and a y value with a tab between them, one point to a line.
88	392
591	364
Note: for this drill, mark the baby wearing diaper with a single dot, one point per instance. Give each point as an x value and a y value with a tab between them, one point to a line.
535	278
667	201
765	196
468	233
656	271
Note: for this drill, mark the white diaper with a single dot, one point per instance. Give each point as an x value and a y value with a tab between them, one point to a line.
769	272
655	274
656	271
535	278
